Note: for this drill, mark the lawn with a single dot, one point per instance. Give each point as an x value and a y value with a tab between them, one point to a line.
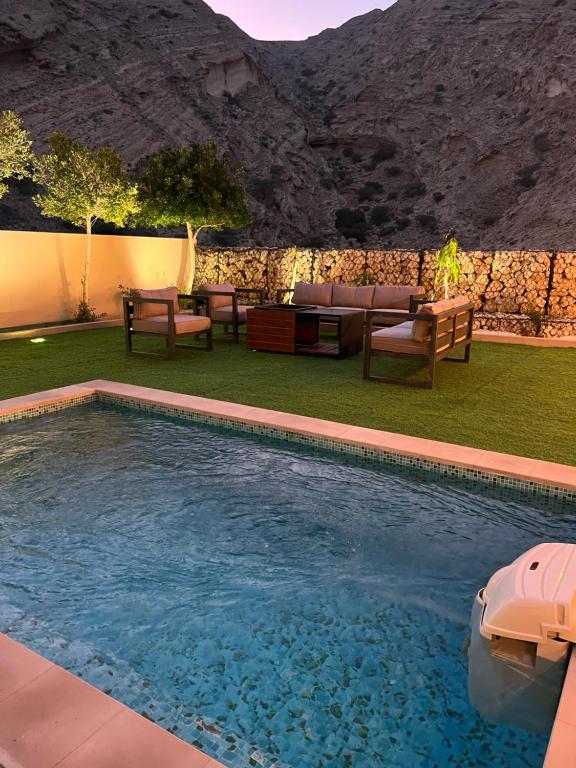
514	399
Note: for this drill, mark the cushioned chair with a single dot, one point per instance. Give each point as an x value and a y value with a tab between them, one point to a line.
432	334
223	306
157	313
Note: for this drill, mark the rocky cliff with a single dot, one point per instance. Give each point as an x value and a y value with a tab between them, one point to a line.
403	122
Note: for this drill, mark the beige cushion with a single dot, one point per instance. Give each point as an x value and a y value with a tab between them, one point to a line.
226	314
317	295
399	339
357	309
216	301
421	329
384	320
150	310
184	324
395	296
353	296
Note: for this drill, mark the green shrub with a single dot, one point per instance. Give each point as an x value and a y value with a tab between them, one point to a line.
380	215
327	183
384	153
415	189
370	190
352	224
427	221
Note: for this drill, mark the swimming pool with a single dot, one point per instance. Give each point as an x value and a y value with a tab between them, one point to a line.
267	604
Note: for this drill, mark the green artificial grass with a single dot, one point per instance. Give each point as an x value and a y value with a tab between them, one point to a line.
514	399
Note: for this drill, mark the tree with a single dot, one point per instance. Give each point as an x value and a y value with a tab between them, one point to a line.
15	149
81	186
448	265
192	186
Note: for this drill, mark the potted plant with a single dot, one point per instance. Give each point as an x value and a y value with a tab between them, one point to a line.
448	267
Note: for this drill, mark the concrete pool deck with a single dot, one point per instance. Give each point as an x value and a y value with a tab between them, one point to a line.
50	718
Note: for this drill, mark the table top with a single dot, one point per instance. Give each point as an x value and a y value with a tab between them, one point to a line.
309	310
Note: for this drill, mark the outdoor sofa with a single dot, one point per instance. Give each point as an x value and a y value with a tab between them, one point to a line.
367	297
433	333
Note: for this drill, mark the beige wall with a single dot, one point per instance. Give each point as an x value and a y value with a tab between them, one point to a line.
40	273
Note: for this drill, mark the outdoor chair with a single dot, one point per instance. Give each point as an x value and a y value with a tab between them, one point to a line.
223	306
433	333
157	313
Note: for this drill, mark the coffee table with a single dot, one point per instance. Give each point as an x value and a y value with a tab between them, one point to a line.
295	329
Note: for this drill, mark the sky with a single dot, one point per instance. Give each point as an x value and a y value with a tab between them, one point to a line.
292	19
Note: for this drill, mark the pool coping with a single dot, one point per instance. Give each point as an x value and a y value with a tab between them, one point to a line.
50	717
561	752
497	465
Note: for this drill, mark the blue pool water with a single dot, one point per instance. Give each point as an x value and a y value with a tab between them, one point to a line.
268	605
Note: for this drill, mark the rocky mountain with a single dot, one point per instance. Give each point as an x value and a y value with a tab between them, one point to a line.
431	114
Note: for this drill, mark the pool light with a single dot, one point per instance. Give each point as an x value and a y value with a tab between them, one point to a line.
37	340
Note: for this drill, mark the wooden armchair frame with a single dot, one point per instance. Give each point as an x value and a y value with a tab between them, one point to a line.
129	304
260	292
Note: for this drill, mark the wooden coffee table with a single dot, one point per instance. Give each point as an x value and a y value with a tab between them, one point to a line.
296	330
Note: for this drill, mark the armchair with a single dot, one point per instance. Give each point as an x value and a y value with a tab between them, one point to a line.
157	313
223	305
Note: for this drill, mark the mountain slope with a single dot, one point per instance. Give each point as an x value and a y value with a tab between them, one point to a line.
431	114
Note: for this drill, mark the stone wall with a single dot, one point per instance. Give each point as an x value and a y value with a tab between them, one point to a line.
518	291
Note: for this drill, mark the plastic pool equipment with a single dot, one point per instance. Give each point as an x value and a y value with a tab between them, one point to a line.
523	627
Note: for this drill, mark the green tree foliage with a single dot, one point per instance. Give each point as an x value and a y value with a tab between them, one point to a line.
192	186
448	265
82	186
15	149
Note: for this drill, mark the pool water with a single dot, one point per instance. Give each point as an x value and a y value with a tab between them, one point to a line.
269	605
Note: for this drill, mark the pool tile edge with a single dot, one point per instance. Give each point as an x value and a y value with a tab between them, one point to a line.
491	467
561	476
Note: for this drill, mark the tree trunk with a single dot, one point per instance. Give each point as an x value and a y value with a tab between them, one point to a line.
190	271
446	287
87	260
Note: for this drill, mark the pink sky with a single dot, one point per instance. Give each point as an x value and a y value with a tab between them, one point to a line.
292	19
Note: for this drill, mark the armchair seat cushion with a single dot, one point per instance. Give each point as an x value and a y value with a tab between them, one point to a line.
399	339
226	314
185	324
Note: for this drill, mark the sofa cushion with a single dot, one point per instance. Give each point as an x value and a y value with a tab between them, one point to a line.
218	301
395	296
185	324
318	295
421	329
226	314
150	310
352	296
399	339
